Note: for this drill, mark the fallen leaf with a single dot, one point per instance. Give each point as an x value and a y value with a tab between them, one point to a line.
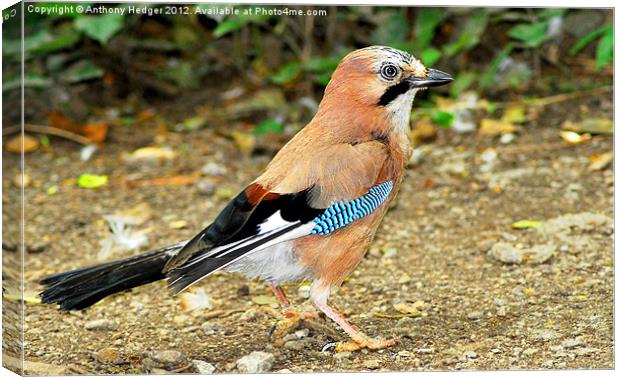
95	132
152	153
265	300
514	114
423	131
595	126
494	127
573	137
178	224
21	180
15	144
196	300
58	120
408	308
601	161
526	224
92	180
244	141
174	180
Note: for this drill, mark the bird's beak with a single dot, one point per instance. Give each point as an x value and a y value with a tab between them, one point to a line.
434	77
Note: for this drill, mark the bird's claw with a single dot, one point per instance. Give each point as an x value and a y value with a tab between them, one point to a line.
364	342
291	320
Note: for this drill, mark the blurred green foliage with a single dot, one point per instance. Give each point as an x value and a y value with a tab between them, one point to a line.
486	49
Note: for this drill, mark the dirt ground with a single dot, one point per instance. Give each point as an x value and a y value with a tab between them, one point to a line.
473	311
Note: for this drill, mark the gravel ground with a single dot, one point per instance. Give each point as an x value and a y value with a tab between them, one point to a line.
480	294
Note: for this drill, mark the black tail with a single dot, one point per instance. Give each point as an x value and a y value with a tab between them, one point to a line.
79	289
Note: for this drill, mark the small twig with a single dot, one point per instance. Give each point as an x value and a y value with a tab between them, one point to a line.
48	131
222	313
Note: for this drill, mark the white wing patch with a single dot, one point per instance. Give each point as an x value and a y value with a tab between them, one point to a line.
273	222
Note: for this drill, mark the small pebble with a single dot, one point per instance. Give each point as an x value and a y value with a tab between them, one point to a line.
256	362
341	356
372	364
572	343
304	291
101	324
109	356
530	351
212	328
474	315
284	371
203	367
470	355
404	353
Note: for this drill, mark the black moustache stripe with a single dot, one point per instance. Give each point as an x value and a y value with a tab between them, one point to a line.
393	92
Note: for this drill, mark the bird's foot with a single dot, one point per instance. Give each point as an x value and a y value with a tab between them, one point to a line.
364	342
291	321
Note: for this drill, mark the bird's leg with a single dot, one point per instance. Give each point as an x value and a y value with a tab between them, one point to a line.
279	293
359	339
292	317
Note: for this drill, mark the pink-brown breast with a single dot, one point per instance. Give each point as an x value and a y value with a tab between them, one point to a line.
332	257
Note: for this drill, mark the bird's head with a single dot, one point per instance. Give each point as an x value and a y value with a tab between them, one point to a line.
381	80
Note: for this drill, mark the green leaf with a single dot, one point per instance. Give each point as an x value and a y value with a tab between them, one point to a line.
427	20
287	73
470	37
585	40
605	49
443	118
30	81
81	71
533	35
322	65
92	180
526	224
235	23
392	28
430	56
489	77
462	82
100	28
269	126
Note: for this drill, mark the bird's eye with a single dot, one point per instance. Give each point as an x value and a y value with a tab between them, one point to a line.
389	71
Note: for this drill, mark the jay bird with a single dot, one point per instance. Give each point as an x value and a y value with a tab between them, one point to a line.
311	214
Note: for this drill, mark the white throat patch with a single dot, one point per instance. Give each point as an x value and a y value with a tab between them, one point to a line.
399	110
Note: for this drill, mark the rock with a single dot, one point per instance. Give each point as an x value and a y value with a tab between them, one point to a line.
404	354
564	225
572	343
296	345
256	362
21	180
586	351
509	254
212	328
304	291
470	355
164	359
544	335
372	364
284	371
101	324
530	351
475	315
109	356
213	168
404	327
206	186
300	334
342	357
203	367
15	144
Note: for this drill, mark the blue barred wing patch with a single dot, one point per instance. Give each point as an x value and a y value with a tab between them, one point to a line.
342	214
